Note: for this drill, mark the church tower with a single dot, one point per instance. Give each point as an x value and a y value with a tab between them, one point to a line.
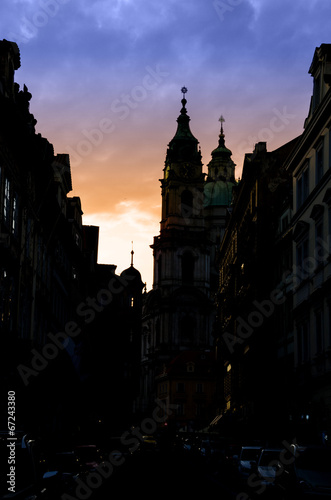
177	311
181	251
217	199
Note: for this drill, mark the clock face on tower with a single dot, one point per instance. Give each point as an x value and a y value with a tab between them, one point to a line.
187	170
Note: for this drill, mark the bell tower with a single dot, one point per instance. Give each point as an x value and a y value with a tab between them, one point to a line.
182	183
180	251
176	315
179	312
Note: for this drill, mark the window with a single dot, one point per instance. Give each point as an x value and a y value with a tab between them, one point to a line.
200	409
180	410
302	252
199	388
180	387
319	162
14	221
317	91
157	332
186	203
190	367
303	341
319	234
303	186
319	330
187	328
28	238
6	202
187	268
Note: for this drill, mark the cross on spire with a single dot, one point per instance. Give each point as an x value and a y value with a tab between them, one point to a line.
222	120
132	252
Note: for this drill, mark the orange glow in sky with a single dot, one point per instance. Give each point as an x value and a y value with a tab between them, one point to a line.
105	79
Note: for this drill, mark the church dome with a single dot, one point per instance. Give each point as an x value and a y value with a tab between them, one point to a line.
218	193
132	271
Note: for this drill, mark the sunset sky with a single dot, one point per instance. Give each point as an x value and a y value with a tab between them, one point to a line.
105	78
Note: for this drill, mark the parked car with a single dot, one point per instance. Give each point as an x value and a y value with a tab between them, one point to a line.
247	461
268	465
307	476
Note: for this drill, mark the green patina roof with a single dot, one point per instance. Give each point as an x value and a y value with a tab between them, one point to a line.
221	149
218	193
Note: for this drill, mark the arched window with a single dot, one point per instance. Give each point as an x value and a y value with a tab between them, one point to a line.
187	330
157	332
186	203
187	268
159	269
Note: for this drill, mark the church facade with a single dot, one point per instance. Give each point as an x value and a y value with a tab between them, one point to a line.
179	312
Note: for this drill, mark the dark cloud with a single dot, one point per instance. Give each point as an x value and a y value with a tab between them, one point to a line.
88	60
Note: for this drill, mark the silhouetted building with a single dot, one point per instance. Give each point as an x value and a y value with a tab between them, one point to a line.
178	314
111	325
310	163
248	301
42	263
70	327
188	381
273	303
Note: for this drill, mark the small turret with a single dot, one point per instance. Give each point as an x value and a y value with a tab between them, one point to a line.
220	180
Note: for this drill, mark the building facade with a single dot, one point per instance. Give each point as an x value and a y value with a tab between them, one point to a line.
310	164
41	259
248	302
70	327
273	303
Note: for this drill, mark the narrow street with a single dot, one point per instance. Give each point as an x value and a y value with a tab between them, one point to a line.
164	473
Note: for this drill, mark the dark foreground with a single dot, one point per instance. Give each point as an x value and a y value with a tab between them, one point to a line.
199	465
167	473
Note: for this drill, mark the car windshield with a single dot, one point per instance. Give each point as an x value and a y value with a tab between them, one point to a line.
315	459
249	454
269	457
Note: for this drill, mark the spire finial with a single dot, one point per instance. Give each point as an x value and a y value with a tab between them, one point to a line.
221	136
132	252
222	120
184	101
